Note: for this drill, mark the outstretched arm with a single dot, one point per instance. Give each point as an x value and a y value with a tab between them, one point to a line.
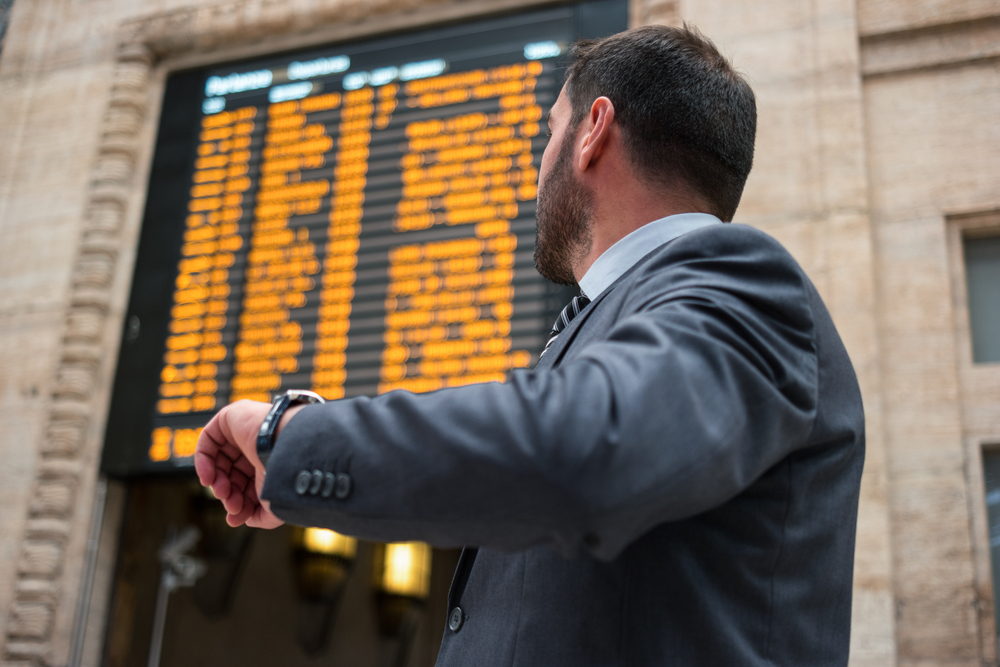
707	380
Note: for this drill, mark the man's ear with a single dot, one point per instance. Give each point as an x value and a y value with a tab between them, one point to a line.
597	131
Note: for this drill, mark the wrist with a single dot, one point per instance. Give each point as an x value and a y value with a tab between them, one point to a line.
285	418
274	419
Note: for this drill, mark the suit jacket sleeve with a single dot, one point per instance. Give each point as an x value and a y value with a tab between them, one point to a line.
705	380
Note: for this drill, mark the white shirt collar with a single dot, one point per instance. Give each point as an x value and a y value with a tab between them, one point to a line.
623	255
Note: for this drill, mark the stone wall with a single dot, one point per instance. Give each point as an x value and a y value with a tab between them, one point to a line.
931	87
878	145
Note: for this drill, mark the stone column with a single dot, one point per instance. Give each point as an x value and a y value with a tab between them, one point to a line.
70	448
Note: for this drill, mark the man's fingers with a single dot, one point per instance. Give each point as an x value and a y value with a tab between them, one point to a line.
263	517
221	486
226	460
207	452
239	481
245	467
248	510
240	517
234	501
204	466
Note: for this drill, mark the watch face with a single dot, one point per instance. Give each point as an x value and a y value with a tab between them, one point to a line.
304	396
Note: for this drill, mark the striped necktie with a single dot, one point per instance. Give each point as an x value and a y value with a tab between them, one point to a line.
571	310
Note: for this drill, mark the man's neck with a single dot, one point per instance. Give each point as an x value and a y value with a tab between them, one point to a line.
624	254
615	225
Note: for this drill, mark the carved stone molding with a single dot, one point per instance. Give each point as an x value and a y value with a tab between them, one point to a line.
81	368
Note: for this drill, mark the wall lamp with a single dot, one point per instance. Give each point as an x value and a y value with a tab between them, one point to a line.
402	582
323	561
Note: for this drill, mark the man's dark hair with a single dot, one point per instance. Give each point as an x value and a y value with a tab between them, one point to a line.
684	111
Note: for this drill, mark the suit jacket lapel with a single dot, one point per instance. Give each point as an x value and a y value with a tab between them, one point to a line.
559	347
562	342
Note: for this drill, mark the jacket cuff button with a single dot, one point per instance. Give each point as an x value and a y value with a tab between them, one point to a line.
302	482
343	486
316	482
329	479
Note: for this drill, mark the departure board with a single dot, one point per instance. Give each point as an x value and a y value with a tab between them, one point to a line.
355	219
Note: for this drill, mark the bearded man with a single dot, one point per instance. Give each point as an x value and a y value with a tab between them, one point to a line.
677	480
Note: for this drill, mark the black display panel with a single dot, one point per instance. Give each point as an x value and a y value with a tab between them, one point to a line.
353	219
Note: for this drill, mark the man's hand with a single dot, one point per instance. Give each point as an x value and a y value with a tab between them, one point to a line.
226	459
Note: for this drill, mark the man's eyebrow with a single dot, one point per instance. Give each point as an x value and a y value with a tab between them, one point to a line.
548	117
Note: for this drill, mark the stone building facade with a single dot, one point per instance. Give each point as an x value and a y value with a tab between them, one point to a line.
878	149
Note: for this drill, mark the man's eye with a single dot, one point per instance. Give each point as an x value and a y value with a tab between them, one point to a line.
548	133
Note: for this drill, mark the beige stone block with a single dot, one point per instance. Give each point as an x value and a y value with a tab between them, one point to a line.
720	19
47	529
844	181
116	166
786	166
934	145
63	439
52	498
981	401
125	119
89	299
921	399
918	437
914	277
920	370
872	566
85	325
879	16
872	642
41	558
94	270
933	575
67	470
75	380
104	217
130	76
30	620
32	651
847	243
37	590
946	45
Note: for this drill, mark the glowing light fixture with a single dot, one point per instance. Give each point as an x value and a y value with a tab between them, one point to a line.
323	541
406	570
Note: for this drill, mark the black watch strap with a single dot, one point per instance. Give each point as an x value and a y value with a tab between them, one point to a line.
265	436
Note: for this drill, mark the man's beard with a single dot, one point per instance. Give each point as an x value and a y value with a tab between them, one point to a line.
565	208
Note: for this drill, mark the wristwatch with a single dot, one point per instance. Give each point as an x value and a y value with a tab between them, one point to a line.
265	436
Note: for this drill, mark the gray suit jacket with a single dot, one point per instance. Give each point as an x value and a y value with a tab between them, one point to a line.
676	483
